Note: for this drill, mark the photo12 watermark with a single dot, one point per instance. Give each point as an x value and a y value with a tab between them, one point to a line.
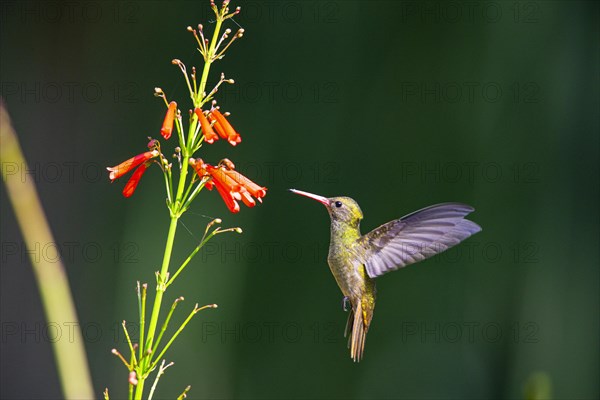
469	172
71	12
70	252
276	332
469	332
469	12
269	172
469	92
70	92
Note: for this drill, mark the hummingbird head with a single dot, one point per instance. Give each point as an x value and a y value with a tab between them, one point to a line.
342	210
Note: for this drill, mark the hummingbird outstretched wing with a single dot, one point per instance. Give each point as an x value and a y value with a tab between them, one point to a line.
415	237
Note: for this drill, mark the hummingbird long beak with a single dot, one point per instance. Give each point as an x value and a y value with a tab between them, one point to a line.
320	199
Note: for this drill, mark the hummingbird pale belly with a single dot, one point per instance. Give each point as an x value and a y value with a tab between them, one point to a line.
355	259
359	288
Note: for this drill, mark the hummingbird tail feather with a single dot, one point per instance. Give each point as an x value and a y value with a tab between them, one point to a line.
348	329
359	333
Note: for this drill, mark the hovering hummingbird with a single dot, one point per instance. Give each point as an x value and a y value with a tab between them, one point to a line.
355	259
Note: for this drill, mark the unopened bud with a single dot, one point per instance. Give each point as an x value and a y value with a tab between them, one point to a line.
132	378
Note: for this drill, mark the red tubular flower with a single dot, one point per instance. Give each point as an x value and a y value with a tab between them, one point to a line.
209	134
227	196
167	127
219	176
200	168
127	165
224	186
255	190
217	127
247	198
231	185
135	179
224	128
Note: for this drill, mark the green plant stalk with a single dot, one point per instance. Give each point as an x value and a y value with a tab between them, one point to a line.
167	320
129	343
50	276
142	310
211	53
160	290
187	260
176	210
183	325
131	387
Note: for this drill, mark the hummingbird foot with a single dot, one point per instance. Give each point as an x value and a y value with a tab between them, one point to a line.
346	304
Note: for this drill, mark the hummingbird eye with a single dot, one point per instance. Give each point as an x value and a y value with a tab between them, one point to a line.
338	204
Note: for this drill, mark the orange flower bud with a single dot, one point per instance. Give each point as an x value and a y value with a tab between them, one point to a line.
227	131
127	165
135	179
255	190
231	185
167	127
209	134
227	196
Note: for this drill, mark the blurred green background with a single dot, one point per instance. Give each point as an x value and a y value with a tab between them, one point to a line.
397	104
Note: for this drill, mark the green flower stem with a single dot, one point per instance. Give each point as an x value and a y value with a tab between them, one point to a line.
161	371
179	126
209	60
192	196
142	308
120	357
187	260
129	343
131	386
188	190
176	209
184	394
160	290
183	325
167	320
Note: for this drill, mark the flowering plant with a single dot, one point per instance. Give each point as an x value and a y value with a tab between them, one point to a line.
207	124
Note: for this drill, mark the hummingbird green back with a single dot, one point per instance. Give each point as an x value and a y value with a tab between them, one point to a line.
355	259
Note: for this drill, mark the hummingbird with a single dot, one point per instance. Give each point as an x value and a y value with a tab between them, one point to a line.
356	260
